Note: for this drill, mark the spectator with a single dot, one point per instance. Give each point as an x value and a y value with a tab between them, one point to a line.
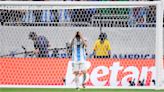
111	14
151	16
28	16
64	14
102	47
137	17
49	15
41	45
37	13
77	15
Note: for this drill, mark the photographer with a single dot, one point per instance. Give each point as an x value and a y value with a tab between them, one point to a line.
41	45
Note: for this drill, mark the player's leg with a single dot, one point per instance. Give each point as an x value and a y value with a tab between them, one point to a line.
83	70
76	73
84	78
77	79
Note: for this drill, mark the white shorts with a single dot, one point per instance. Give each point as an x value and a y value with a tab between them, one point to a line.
78	67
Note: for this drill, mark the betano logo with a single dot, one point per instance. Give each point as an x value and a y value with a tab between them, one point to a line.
100	72
114	73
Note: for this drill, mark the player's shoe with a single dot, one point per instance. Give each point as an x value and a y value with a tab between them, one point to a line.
83	85
77	88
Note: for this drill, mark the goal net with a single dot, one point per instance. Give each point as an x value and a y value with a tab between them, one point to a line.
124	43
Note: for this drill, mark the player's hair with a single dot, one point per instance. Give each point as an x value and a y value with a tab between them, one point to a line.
77	34
102	36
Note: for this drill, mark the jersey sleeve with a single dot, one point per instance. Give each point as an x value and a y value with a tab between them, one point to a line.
108	45
95	45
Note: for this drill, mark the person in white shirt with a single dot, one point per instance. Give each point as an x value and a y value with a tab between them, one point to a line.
78	45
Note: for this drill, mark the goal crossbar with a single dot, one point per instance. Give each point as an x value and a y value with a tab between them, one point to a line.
77	3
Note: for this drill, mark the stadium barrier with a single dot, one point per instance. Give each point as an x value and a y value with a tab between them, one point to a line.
100	72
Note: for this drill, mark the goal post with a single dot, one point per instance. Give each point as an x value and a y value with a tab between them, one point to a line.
159	59
133	28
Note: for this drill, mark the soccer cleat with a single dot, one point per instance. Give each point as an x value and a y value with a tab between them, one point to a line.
77	88
83	85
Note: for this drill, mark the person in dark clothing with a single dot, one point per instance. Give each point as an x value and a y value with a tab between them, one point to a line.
41	44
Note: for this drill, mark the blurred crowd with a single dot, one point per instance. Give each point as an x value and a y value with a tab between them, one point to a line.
126	17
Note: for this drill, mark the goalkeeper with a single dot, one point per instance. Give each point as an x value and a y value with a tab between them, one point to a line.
102	48
78	45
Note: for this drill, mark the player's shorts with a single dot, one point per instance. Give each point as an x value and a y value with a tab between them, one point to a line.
78	67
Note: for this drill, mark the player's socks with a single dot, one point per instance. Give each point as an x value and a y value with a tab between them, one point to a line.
84	78
77	81
77	89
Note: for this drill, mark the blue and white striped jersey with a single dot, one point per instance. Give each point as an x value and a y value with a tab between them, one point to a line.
78	52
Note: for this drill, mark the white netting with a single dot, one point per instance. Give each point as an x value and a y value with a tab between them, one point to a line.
120	25
46	31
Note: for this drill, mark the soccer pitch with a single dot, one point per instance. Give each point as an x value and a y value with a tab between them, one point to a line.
74	90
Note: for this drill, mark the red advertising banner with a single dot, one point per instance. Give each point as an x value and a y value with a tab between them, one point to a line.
51	71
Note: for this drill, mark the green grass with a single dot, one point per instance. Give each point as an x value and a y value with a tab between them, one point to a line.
73	90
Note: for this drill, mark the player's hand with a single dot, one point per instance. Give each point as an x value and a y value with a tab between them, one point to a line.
75	36
80	34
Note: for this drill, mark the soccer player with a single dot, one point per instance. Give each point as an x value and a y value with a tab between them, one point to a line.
78	45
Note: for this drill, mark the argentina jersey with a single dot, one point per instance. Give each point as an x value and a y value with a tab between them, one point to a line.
78	52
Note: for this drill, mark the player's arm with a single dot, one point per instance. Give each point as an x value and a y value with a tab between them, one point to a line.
72	42
109	53
83	40
109	48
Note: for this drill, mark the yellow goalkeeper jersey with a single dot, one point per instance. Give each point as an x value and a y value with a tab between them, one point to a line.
102	49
